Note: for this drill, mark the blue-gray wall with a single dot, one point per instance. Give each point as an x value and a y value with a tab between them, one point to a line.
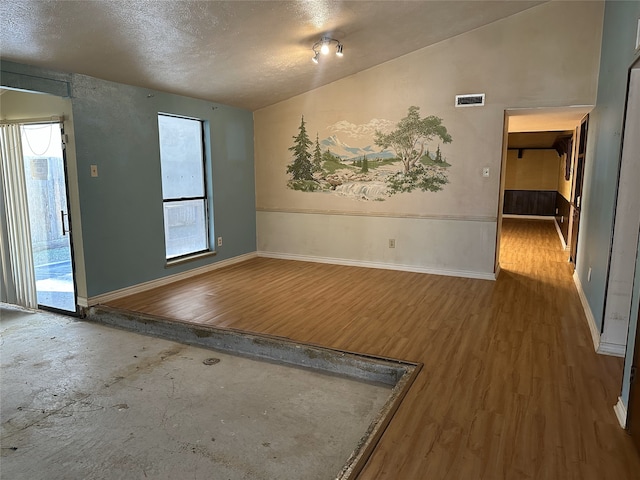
603	165
603	151
116	128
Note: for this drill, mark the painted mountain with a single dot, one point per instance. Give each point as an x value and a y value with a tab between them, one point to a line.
345	152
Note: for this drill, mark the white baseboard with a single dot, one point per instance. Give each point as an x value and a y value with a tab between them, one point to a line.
621	412
141	287
612	349
529	217
604	348
591	321
385	266
565	247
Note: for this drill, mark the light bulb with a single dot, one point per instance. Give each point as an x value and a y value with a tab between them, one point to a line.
325	48
339	50
314	59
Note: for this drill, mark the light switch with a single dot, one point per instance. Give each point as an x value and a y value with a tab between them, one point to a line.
485	172
94	170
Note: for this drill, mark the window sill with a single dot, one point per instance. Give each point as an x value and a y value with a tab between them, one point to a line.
197	256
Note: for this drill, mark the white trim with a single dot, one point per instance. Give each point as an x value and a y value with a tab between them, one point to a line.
613	349
172	262
464	218
621	412
603	348
529	217
159	282
565	247
384	266
29	121
591	321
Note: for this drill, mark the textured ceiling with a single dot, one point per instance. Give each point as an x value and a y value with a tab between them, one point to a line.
248	54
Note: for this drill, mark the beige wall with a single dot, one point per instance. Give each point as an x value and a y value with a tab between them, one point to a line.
536	170
532	59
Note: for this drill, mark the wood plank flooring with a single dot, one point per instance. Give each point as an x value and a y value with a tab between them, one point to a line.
511	386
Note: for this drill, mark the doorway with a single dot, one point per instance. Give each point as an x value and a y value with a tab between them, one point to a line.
623	286
537	139
576	188
47	197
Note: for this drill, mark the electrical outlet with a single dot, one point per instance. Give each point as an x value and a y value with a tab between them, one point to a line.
219	241
392	243
485	172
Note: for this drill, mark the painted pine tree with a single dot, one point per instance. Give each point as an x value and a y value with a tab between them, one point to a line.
301	168
365	164
317	156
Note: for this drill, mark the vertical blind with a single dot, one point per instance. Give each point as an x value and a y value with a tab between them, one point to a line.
18	272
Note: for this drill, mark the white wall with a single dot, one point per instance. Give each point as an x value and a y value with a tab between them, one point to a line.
441	246
627	224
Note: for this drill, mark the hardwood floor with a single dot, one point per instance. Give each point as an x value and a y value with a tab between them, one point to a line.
511	387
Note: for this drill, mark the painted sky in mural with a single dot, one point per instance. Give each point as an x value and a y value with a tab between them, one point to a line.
371	161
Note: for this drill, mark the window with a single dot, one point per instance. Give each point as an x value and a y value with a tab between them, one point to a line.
184	192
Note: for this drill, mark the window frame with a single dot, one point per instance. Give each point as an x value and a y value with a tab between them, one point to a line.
206	198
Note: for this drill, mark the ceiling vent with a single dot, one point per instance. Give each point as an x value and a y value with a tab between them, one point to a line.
471	100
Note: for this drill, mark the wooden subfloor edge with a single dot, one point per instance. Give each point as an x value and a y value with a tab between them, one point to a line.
383	266
621	412
159	282
155	325
362	453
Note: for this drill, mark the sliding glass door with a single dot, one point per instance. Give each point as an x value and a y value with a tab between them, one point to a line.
45	172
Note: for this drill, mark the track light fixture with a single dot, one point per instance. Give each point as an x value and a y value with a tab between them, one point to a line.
322	47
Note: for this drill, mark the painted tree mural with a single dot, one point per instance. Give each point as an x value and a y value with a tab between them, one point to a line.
409	141
301	167
403	164
317	156
409	138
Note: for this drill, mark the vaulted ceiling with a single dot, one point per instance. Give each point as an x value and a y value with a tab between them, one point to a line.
248	54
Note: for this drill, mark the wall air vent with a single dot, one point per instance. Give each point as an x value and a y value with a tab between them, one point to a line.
472	100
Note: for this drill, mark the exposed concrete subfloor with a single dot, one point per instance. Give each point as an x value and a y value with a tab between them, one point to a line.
81	400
